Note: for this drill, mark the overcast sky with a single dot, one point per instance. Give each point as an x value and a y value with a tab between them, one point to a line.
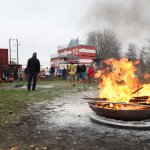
42	25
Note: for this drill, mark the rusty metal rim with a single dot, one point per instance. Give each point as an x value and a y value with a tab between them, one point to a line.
126	115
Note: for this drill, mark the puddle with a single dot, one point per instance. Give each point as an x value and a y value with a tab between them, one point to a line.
38	86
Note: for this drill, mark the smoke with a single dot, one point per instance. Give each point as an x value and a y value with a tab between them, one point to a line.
129	19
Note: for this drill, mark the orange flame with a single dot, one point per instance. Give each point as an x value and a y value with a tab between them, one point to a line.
118	81
145	91
147	75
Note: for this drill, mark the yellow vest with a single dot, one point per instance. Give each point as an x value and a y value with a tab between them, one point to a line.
72	69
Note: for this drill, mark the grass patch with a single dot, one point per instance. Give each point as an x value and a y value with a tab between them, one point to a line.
14	100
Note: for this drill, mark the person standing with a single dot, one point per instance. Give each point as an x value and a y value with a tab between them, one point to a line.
33	66
47	74
52	72
79	77
64	74
15	73
90	73
83	72
72	72
6	73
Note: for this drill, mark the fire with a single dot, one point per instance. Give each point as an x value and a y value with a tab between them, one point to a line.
119	82
144	91
146	75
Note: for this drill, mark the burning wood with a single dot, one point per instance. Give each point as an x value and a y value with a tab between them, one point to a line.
137	90
127	112
121	106
96	99
140	99
112	104
137	100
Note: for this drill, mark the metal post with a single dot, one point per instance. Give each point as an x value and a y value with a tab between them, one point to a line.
17	51
10	51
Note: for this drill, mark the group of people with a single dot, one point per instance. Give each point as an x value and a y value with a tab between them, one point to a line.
81	72
33	69
7	73
50	73
33	66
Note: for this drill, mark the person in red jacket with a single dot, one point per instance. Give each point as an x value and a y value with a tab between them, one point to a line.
90	73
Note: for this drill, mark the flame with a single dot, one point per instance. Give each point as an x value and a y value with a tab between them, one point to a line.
145	91
147	75
119	82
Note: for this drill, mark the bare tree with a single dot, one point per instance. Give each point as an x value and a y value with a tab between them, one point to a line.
146	59
92	39
106	43
132	52
148	64
146	55
142	65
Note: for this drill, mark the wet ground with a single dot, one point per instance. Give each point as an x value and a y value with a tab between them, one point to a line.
64	124
38	86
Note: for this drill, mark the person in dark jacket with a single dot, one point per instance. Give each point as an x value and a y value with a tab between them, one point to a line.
79	77
64	74
15	73
33	66
6	73
83	72
52	72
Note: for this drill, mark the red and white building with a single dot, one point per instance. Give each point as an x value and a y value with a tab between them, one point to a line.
81	54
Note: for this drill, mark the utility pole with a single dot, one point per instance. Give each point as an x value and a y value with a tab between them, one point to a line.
17	44
17	51
10	51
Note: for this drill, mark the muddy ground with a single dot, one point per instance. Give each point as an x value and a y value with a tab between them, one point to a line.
64	124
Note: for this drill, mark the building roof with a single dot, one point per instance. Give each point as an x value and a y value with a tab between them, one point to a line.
73	42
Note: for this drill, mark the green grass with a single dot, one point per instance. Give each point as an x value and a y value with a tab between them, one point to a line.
14	100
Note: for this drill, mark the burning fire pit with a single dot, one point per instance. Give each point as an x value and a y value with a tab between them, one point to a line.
121	111
126	97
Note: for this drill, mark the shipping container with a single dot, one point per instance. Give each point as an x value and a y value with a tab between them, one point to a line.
3	56
3	59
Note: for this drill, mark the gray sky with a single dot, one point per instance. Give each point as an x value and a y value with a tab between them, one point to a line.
42	25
